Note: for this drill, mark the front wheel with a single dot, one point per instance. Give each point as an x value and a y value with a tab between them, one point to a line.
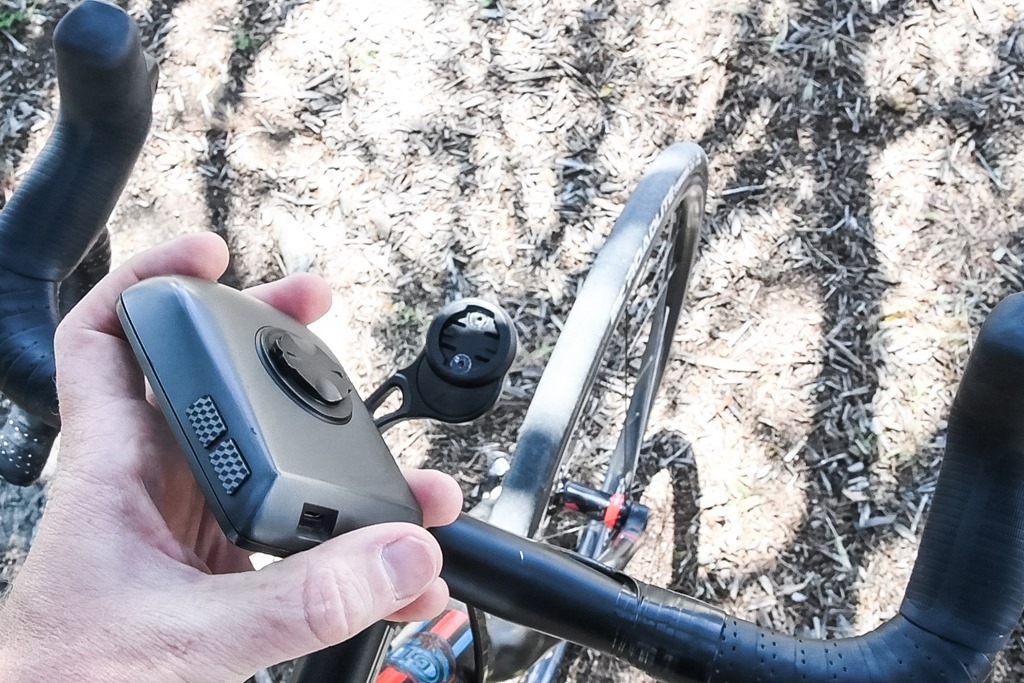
594	399
587	420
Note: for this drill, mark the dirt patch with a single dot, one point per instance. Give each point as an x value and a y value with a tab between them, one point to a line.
863	217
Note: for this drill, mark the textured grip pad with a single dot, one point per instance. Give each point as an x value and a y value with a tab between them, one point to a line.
230	466
206	420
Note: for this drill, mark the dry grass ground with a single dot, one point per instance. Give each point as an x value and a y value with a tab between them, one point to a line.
864	215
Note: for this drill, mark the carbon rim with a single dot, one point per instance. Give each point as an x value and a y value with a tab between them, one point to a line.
608	435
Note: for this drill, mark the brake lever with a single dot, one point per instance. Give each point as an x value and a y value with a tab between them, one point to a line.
458	375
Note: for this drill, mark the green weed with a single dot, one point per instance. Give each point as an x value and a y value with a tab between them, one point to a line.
13	18
246	41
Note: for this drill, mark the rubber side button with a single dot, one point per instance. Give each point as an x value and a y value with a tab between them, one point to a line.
230	466
206	420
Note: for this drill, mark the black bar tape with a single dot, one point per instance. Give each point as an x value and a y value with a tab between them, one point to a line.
968	583
106	88
25	443
966	593
896	652
60	210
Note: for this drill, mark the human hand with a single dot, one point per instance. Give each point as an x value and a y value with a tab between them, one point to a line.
131	579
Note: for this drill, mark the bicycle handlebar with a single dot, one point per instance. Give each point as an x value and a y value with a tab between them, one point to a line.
106	85
966	592
968	583
671	636
965	596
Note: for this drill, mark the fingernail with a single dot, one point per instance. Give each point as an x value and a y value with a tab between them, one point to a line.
410	564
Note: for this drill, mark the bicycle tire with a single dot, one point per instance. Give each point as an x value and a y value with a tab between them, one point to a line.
659	226
593	402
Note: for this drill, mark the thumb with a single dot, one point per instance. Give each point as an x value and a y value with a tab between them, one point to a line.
325	595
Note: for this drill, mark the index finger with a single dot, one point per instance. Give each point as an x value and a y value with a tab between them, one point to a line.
94	362
302	296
